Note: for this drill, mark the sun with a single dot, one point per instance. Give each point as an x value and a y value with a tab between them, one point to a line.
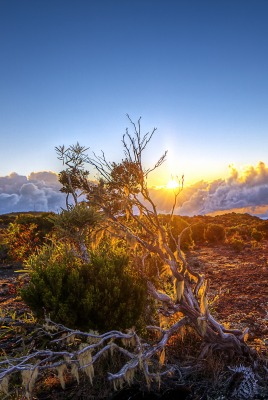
172	184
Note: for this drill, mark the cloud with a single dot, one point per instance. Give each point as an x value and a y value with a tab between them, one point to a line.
247	191
12	183
39	192
45	177
240	192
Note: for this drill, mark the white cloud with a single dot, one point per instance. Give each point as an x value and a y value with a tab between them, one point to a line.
39	192
246	191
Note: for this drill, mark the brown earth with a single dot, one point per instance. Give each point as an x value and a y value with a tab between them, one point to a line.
10	284
238	282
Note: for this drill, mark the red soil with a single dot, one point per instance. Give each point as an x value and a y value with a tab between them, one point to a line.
238	285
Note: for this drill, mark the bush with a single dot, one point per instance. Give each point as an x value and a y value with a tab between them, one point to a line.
21	241
43	221
241	230
102	295
264	228
236	243
177	225
3	252
215	233
257	235
198	232
26	234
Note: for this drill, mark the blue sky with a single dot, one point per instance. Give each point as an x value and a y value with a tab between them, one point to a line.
196	70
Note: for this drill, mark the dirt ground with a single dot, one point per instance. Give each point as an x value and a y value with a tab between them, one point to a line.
238	284
10	283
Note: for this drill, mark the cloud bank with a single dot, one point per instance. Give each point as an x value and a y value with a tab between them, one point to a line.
240	192
38	192
246	192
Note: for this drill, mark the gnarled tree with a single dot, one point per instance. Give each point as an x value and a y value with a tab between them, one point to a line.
122	195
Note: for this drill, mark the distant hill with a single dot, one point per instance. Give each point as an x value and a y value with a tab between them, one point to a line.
5	219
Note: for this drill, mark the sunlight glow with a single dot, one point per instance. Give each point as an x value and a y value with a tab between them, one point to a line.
172	184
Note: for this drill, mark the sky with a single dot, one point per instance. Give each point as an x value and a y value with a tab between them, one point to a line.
196	70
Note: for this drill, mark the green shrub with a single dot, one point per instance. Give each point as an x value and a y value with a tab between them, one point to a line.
198	232
101	295
3	252
257	235
21	240
43	221
26	234
264	228
242	230
215	233
236	243
177	224
186	238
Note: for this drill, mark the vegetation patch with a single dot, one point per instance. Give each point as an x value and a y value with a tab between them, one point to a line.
125	291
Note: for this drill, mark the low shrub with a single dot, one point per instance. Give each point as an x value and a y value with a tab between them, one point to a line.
3	252
236	243
26	234
177	225
215	233
198	232
21	241
101	295
257	235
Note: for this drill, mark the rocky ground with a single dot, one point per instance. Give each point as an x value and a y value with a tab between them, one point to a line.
238	284
10	283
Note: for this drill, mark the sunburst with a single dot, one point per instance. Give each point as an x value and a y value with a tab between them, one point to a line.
172	184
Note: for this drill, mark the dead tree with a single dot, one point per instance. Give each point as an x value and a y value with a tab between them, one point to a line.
123	197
